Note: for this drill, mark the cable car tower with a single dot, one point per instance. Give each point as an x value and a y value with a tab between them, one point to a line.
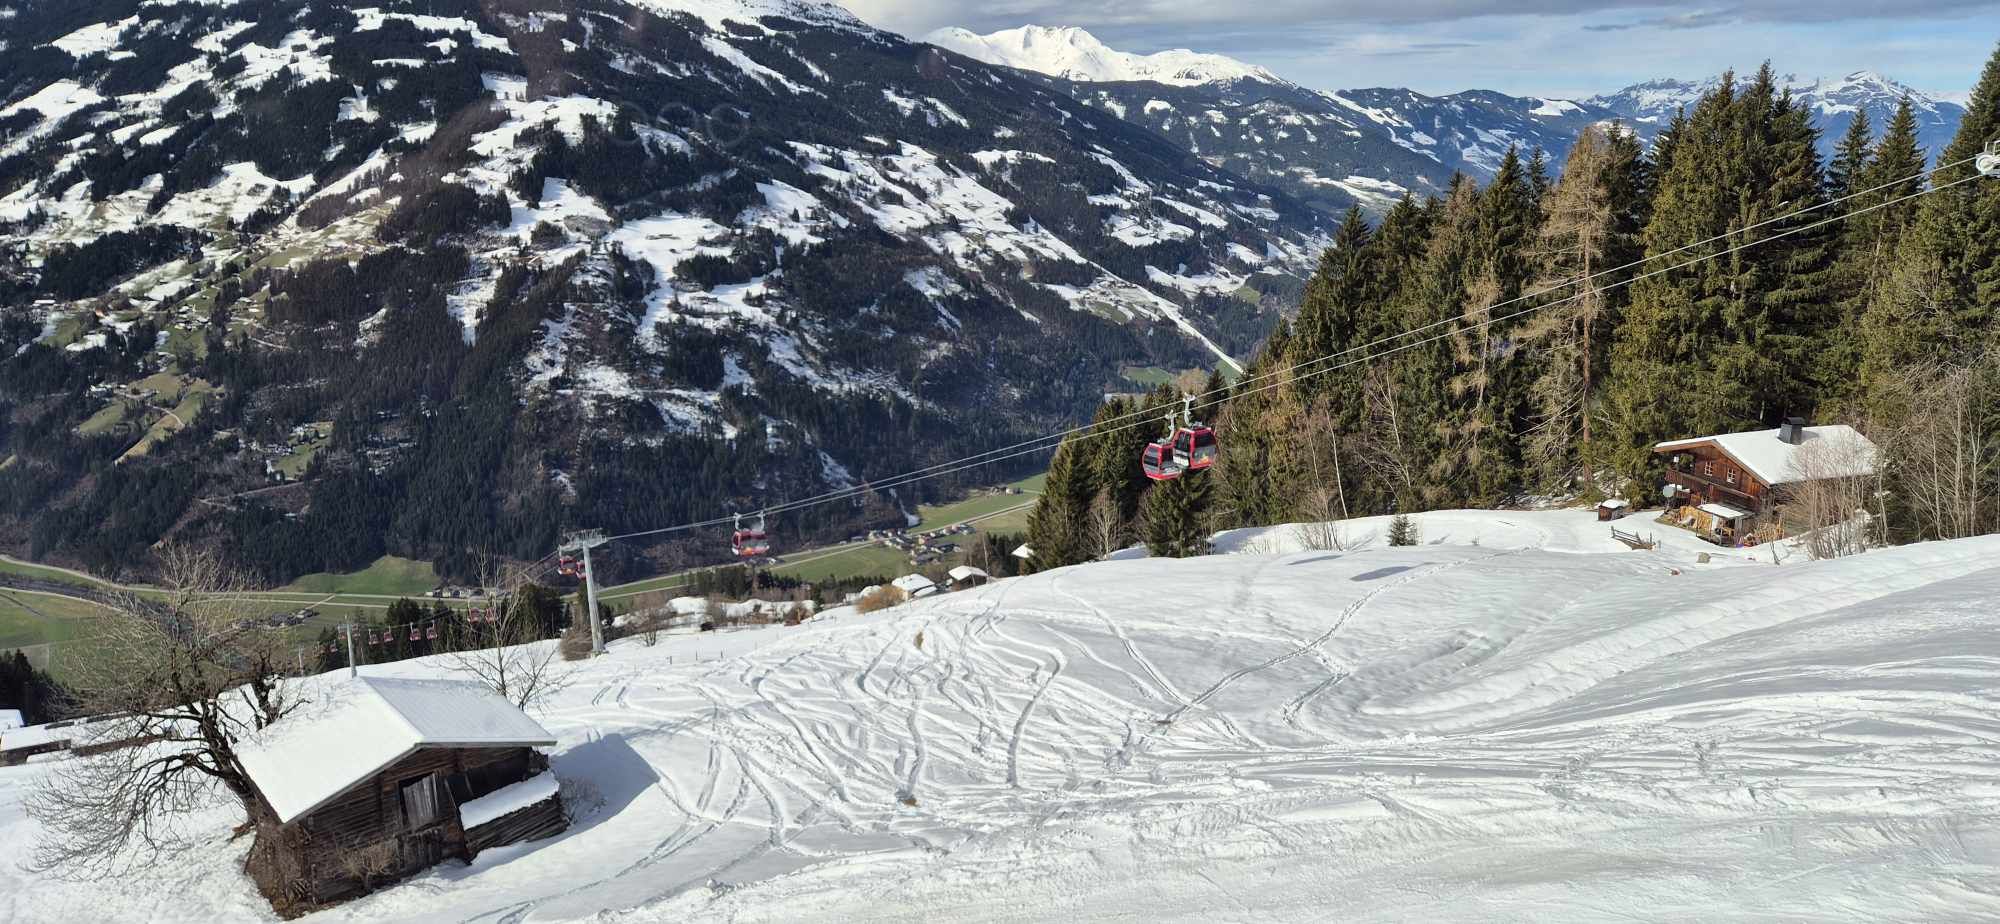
580	543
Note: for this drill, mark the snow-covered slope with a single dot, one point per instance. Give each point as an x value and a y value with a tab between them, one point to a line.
1073	54
1492	731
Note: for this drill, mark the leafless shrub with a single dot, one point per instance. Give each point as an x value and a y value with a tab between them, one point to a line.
575	644
881	598
580	797
368	862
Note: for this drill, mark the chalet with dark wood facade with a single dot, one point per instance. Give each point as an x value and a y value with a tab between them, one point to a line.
1730	485
375	779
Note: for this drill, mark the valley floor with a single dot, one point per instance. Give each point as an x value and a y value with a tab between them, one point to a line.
1529	728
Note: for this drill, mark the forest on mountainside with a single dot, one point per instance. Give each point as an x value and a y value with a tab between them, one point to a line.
1534	337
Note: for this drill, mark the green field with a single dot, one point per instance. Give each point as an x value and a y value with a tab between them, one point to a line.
37	619
388	575
853	561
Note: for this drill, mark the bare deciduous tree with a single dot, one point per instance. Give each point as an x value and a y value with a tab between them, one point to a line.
1934	422
1107	529
1828	509
505	655
182	680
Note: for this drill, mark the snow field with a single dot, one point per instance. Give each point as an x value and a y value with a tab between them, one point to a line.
1496	731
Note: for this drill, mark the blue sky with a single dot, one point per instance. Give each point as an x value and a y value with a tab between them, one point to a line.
1527	47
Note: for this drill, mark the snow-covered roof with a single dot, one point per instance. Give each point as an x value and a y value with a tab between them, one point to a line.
1723	510
1830	451
915	585
507	800
11	718
351	728
966	572
1022	551
31	736
1616	503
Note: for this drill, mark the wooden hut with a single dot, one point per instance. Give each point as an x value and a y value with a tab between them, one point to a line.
376	778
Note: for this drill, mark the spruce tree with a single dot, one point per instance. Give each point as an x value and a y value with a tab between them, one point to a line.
1056	525
1938	298
1177	516
1877	217
1726	343
1845	173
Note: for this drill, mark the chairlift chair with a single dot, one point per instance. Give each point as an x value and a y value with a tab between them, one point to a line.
1988	161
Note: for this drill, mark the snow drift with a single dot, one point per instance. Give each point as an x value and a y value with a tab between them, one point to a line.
1493	732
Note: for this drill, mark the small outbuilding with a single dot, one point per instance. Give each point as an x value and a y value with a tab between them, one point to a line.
375	779
915	585
1612	509
965	576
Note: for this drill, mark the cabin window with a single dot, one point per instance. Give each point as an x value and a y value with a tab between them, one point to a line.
1729	475
1708	469
422	804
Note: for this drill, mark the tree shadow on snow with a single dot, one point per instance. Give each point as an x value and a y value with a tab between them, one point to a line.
1381	573
609	764
1308	561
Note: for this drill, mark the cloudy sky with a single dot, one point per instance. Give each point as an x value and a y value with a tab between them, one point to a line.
1547	47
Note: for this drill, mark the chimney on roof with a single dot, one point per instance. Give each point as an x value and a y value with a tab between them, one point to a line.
1792	431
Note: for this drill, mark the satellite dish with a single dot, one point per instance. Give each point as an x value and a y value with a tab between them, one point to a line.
1670	490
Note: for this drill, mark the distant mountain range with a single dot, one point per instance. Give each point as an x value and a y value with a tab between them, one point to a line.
1369	146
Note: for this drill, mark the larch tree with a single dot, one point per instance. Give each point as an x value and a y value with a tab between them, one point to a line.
1585	232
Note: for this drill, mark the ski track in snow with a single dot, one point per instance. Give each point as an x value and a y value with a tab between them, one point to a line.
1500	732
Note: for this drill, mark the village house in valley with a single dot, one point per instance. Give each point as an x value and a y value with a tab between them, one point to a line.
375	779
1734	487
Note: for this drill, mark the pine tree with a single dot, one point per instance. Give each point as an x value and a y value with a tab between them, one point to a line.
1402	530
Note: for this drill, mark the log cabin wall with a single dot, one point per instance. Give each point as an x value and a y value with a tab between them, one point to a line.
373	813
1711	475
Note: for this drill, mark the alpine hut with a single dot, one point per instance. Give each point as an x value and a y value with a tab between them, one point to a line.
374	779
1729	485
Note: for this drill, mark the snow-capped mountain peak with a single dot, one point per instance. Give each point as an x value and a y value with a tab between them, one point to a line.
1074	54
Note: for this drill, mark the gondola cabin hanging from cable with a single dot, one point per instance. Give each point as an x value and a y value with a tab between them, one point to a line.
569	567
752	542
1194	445
1189	447
1158	458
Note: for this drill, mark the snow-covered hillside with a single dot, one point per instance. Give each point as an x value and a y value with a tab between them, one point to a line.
1073	54
756	233
1491	731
